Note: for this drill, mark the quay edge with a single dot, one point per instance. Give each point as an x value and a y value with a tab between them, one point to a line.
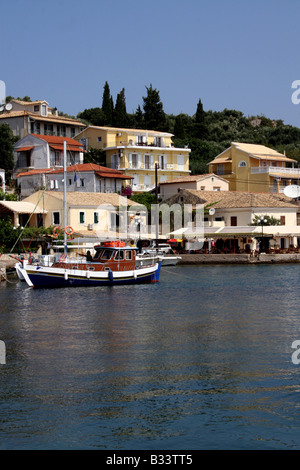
262	258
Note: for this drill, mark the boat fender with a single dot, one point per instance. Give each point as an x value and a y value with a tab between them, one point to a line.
66	276
88	274
134	274
111	275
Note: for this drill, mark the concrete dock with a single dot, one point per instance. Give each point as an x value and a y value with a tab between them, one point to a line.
262	258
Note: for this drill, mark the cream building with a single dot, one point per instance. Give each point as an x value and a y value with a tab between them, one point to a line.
37	117
137	152
208	182
256	168
234	212
88	214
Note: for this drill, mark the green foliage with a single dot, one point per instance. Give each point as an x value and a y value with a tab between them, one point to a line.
8	196
154	116
96	156
94	116
107	105
7	141
144	198
267	220
120	118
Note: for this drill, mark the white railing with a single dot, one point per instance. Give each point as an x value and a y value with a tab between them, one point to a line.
275	169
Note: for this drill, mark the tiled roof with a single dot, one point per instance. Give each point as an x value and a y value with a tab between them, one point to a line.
238	199
80	168
53	139
92	199
191	178
38	117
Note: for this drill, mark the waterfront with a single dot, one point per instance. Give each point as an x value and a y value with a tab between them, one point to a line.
200	360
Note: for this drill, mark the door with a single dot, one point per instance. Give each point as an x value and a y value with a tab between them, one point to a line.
233	221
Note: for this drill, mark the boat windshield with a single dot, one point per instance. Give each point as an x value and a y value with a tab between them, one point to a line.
106	254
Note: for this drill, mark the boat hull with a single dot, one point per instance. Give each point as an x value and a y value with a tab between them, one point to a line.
38	276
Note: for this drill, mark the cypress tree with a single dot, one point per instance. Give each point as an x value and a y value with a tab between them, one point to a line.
154	116
107	105
120	118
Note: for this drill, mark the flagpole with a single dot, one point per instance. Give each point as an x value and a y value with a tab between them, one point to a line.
65	198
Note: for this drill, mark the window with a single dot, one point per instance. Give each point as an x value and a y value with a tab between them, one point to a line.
180	162
36	108
134	160
216	188
128	254
48	129
70	181
56	218
120	255
81	181
81	217
147	162
162	162
233	221
72	131
282	219
99	139
242	163
220	169
44	110
57	160
96	217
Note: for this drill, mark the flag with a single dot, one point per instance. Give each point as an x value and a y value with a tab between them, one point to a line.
75	177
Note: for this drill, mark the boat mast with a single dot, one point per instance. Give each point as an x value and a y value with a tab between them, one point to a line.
65	197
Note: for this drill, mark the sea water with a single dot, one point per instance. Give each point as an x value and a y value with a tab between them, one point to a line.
201	360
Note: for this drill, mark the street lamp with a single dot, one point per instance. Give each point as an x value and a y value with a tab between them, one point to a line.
262	221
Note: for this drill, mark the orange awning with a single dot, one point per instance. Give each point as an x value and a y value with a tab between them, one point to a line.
24	149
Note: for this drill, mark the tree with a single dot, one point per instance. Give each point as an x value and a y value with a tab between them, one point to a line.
267	220
120	118
94	155
154	116
7	141
179	130
139	118
107	105
94	116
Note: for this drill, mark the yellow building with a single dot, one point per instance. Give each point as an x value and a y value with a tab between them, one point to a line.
137	152
256	168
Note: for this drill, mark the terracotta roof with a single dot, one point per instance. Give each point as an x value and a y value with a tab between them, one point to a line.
53	139
80	168
191	178
238	199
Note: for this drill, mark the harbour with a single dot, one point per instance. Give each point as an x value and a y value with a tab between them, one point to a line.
200	360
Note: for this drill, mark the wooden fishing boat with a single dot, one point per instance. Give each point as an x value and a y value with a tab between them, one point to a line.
113	263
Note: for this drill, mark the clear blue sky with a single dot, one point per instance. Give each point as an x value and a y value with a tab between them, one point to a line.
235	54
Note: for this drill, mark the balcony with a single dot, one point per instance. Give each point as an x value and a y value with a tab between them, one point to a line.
295	172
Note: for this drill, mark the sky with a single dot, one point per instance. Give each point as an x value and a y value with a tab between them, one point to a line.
234	54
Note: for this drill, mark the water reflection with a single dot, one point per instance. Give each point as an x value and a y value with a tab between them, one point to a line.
200	360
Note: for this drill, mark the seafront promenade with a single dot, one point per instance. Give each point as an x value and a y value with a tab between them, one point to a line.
244	258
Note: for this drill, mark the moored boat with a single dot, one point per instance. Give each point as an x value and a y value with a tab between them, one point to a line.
113	263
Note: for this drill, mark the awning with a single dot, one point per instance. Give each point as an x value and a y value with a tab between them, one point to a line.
70	148
106	174
24	149
21	207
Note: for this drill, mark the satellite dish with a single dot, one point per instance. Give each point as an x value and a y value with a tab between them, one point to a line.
1	108
212	211
292	191
8	106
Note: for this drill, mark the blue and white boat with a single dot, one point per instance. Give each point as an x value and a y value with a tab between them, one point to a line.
114	263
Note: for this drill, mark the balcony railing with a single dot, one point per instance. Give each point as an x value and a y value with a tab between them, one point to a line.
275	169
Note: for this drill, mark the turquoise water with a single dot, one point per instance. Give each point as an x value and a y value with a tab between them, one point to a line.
201	360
